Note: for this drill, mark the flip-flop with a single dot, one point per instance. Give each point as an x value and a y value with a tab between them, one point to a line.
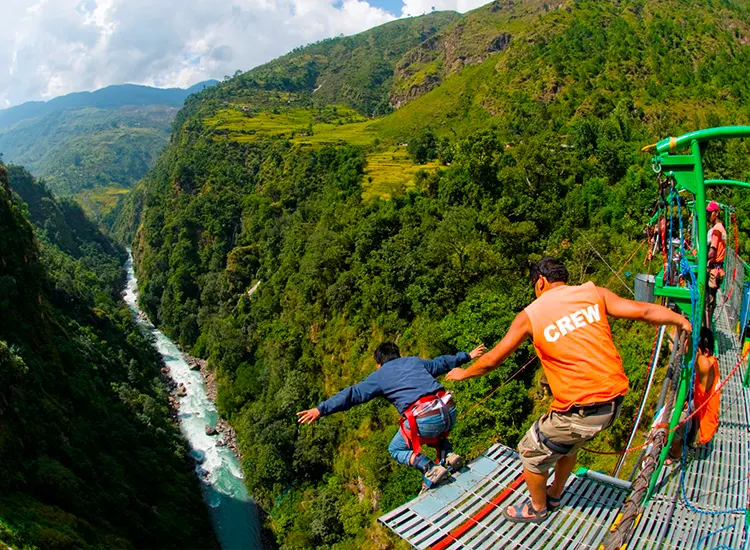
553	503
536	516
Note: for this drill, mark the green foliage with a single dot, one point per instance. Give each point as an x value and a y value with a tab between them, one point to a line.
354	70
80	151
89	457
538	137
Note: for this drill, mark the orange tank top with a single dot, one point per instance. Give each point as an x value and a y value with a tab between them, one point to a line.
574	343
708	416
717	236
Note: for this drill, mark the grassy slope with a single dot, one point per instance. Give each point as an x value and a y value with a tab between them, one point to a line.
577	63
96	153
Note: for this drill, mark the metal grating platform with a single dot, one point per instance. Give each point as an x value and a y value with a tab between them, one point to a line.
467	512
716	477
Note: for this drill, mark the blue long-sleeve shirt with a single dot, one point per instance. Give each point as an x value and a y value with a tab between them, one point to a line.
401	381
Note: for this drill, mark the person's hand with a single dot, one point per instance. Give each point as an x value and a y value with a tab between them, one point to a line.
456	374
309	416
687	326
478	351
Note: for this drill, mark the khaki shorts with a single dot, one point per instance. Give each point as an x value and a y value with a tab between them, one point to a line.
566	429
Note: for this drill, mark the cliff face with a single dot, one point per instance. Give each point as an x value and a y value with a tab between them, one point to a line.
469	41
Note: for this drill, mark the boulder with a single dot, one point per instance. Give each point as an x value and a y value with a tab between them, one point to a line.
210	430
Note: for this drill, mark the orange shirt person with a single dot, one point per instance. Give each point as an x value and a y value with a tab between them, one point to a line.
702	428
717	253
572	337
707	380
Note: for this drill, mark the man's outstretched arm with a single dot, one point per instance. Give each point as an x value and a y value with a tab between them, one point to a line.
620	308
445	363
519	330
342	401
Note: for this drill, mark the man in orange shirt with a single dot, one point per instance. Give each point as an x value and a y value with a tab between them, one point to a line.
717	253
572	338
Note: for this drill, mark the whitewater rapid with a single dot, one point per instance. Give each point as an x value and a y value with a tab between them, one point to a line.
233	512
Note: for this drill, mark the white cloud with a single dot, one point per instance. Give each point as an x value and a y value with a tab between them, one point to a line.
420	7
56	47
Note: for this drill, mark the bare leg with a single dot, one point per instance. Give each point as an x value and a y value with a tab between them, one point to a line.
537	484
562	470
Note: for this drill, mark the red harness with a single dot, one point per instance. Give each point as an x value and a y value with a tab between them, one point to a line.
412	437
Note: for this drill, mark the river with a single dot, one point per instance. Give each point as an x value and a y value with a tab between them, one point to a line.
233	513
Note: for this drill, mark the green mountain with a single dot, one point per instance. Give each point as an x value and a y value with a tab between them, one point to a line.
517	135
92	145
89	457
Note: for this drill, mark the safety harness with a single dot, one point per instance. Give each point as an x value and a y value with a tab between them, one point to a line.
412	436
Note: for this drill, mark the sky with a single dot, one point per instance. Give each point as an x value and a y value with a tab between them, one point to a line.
54	47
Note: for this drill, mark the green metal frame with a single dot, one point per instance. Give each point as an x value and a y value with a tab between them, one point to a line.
687	171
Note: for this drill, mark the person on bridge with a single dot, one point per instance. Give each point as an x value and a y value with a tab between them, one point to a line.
428	411
717	253
572	337
707	380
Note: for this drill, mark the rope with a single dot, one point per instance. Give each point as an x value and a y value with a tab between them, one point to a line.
625	264
493	392
704	538
622	529
605	262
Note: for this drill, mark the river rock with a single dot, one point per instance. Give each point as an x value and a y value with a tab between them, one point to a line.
181	390
210	430
220	443
195	366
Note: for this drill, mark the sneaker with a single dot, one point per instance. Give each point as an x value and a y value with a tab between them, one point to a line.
435	476
454	462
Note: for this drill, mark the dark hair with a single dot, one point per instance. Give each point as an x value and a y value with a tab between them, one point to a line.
551	269
706	340
387	351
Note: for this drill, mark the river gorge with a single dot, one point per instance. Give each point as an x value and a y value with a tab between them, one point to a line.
233	513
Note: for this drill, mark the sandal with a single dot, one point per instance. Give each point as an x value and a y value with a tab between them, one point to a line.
524	512
553	503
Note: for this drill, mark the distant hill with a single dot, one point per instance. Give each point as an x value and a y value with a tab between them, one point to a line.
92	145
111	97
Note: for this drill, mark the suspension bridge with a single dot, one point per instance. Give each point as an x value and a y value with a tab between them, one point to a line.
700	501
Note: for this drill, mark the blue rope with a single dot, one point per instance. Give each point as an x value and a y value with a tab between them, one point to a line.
704	538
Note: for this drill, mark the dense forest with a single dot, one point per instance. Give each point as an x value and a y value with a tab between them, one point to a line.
89	456
530	148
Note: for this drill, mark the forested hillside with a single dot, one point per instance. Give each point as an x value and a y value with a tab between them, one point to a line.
92	145
417	226
89	457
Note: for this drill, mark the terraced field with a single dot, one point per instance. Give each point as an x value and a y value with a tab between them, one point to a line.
302	126
390	173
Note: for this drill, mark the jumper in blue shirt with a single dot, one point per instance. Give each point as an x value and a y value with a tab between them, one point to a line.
401	381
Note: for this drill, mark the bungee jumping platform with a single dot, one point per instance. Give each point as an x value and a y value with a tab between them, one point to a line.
466	512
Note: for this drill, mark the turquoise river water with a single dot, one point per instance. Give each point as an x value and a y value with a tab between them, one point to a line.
233	512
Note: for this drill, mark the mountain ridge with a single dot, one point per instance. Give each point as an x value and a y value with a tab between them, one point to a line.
109	97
